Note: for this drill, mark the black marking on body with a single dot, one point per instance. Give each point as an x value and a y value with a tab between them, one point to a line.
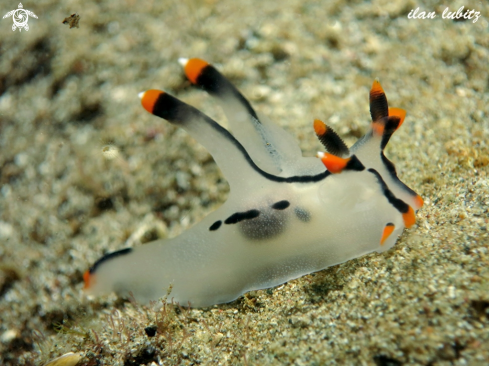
302	214
334	143
389	165
391	169
107	257
179	113
268	225
215	225
241	216
391	125
281	205
399	204
354	164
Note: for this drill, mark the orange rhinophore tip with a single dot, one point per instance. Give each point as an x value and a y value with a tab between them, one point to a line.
332	162
398	112
193	68
388	230
418	200
86	279
149	98
319	127
376	88
409	218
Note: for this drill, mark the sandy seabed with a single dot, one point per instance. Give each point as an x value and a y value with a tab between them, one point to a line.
83	168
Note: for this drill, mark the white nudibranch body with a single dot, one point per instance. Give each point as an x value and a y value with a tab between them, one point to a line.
286	215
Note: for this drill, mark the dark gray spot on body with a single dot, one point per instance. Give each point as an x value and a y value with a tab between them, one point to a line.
302	214
269	224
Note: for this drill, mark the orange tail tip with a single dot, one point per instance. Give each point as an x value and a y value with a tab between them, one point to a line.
333	163
193	68
149	98
86	279
388	230
398	112
409	217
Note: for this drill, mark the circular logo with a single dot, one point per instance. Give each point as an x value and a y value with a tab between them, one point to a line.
20	18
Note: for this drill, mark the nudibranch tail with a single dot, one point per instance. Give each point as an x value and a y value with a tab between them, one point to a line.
285	216
86	279
89	277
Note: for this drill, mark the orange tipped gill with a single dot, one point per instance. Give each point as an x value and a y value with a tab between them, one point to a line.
194	68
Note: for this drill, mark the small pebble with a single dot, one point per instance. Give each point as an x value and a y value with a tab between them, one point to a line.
68	359
151	330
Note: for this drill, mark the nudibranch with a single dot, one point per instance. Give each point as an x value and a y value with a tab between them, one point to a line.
286	215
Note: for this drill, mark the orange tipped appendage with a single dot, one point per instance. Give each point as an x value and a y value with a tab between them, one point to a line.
418	201
149	98
376	88
333	163
319	127
398	112
86	279
409	217
193	68
388	230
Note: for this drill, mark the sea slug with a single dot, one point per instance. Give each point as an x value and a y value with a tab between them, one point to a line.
286	215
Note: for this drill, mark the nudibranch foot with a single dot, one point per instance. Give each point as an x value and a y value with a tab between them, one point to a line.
286	215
